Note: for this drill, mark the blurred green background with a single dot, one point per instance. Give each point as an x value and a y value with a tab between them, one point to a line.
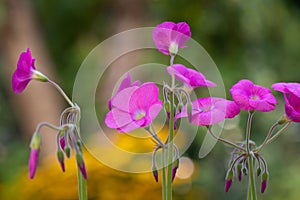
256	40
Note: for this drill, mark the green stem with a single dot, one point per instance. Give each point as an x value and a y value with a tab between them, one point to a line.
170	148
249	122
249	192
81	186
225	141
61	92
164	178
279	132
252	179
267	138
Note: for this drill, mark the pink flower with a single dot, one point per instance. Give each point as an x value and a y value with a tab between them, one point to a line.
25	72
210	110
134	107
191	78
168	36
126	83
291	92
253	97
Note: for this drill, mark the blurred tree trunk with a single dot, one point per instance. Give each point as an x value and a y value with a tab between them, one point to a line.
127	14
39	102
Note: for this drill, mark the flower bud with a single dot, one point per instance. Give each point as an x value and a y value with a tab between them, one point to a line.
155	173
67	150
34	154
264	179
174	168
189	111
258	172
60	157
239	171
62	142
228	180
81	165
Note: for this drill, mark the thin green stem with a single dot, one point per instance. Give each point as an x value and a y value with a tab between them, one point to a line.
164	178
82	192
170	147
225	141
279	132
267	138
252	179
61	92
249	122
249	192
173	75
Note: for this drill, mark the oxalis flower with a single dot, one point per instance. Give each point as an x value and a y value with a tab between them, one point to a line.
253	97
168	36
210	110
291	93
189	77
126	83
134	107
25	72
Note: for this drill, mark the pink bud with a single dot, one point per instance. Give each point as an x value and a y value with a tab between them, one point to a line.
174	170
228	183
263	186
81	165
155	174
33	161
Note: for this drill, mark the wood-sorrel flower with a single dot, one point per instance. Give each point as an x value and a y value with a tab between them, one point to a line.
168	36
126	83
253	97
25	72
291	92
34	154
210	110
134	107
189	77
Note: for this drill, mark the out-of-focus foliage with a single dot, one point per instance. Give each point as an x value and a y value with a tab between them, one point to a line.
257	40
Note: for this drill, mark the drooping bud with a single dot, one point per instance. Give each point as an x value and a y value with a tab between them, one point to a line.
239	171
228	180
34	154
174	168
67	150
60	157
258	171
81	165
155	173
189	111
179	107
62	142
264	179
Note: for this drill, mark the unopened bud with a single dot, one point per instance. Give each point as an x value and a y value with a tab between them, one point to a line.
81	165
239	171
264	179
60	157
189	111
258	171
35	142
34	154
174	168
228	180
67	150
155	173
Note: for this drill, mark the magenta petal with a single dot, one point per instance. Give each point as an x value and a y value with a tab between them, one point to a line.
144	97
117	118
33	162
129	127
190	77
121	100
228	184
168	32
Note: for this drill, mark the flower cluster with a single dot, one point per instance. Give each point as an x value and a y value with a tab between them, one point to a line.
68	132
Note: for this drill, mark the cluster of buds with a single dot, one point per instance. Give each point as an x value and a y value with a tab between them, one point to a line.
68	135
239	165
